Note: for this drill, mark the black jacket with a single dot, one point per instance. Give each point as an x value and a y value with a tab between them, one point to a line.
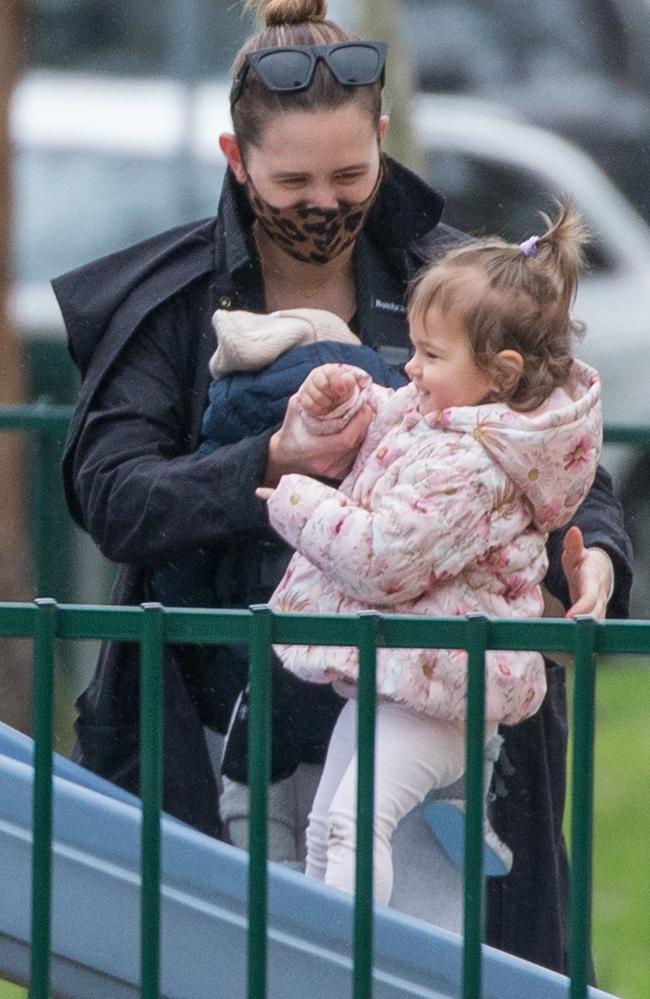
139	330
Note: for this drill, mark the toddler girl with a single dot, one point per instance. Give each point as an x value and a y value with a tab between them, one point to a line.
462	474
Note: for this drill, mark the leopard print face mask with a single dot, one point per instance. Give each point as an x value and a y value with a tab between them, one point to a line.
313	235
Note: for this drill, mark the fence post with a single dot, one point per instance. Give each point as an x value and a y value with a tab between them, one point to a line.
42	699
369	623
475	738
582	804
151	738
45	541
259	753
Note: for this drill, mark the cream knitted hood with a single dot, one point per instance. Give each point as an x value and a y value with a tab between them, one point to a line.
248	341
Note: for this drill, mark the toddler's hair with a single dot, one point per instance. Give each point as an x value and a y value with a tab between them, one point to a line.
514	297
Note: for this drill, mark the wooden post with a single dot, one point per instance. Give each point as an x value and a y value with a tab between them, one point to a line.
15	655
382	19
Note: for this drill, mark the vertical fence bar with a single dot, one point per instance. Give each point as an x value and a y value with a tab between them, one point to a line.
259	752
48	556
41	506
363	926
475	738
43	704
151	766
582	805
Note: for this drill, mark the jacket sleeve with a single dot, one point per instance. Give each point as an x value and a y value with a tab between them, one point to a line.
365	391
425	529
141	494
600	518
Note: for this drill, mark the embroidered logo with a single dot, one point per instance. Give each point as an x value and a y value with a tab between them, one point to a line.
379	303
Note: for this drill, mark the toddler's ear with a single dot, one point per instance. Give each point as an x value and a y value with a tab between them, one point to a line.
510	367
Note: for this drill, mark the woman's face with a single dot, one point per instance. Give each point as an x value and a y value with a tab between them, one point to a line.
314	158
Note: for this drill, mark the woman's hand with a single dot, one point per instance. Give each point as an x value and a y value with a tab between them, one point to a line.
264	493
589	574
293	448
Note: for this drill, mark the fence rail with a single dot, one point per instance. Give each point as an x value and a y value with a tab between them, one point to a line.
152	626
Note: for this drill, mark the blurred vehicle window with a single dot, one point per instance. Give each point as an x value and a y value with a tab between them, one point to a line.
578	67
469	46
134	38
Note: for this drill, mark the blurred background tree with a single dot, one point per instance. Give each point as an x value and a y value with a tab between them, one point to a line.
384	19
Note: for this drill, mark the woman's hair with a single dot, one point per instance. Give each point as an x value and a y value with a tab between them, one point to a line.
514	297
294	22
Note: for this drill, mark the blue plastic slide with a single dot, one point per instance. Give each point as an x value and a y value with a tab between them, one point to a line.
96	899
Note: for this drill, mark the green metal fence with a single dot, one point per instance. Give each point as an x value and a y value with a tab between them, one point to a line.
152	626
47	622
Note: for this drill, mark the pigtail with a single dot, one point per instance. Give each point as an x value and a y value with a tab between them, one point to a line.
561	250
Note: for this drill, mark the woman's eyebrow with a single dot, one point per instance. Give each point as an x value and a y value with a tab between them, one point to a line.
289	174
349	167
294	174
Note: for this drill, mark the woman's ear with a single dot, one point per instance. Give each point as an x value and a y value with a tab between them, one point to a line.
384	122
510	367
230	148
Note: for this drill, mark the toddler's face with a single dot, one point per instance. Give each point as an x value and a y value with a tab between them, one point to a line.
442	368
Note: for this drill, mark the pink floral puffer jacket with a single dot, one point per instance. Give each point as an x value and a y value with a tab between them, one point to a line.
441	515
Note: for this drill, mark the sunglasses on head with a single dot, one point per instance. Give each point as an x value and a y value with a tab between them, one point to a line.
291	67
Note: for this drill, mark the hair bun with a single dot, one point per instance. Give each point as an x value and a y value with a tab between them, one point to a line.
275	13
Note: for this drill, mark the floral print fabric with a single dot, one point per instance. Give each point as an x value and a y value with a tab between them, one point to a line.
441	515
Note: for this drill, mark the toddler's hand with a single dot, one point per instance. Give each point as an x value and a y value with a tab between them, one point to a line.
326	388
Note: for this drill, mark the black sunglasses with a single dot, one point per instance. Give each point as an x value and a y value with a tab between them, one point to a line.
291	67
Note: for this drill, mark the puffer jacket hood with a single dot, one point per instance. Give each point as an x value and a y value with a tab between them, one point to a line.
546	452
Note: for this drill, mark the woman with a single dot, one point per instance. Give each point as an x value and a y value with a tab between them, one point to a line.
311	215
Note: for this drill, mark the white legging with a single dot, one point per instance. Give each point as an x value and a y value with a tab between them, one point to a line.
413	753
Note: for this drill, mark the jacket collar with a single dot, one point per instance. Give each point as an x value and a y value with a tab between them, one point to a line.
406	209
235	227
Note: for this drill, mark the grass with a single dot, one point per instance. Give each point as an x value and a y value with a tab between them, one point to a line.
621	907
9	991
621	899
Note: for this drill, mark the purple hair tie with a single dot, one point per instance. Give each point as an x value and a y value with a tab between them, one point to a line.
529	246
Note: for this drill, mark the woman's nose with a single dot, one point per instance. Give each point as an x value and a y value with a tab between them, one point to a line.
323	197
